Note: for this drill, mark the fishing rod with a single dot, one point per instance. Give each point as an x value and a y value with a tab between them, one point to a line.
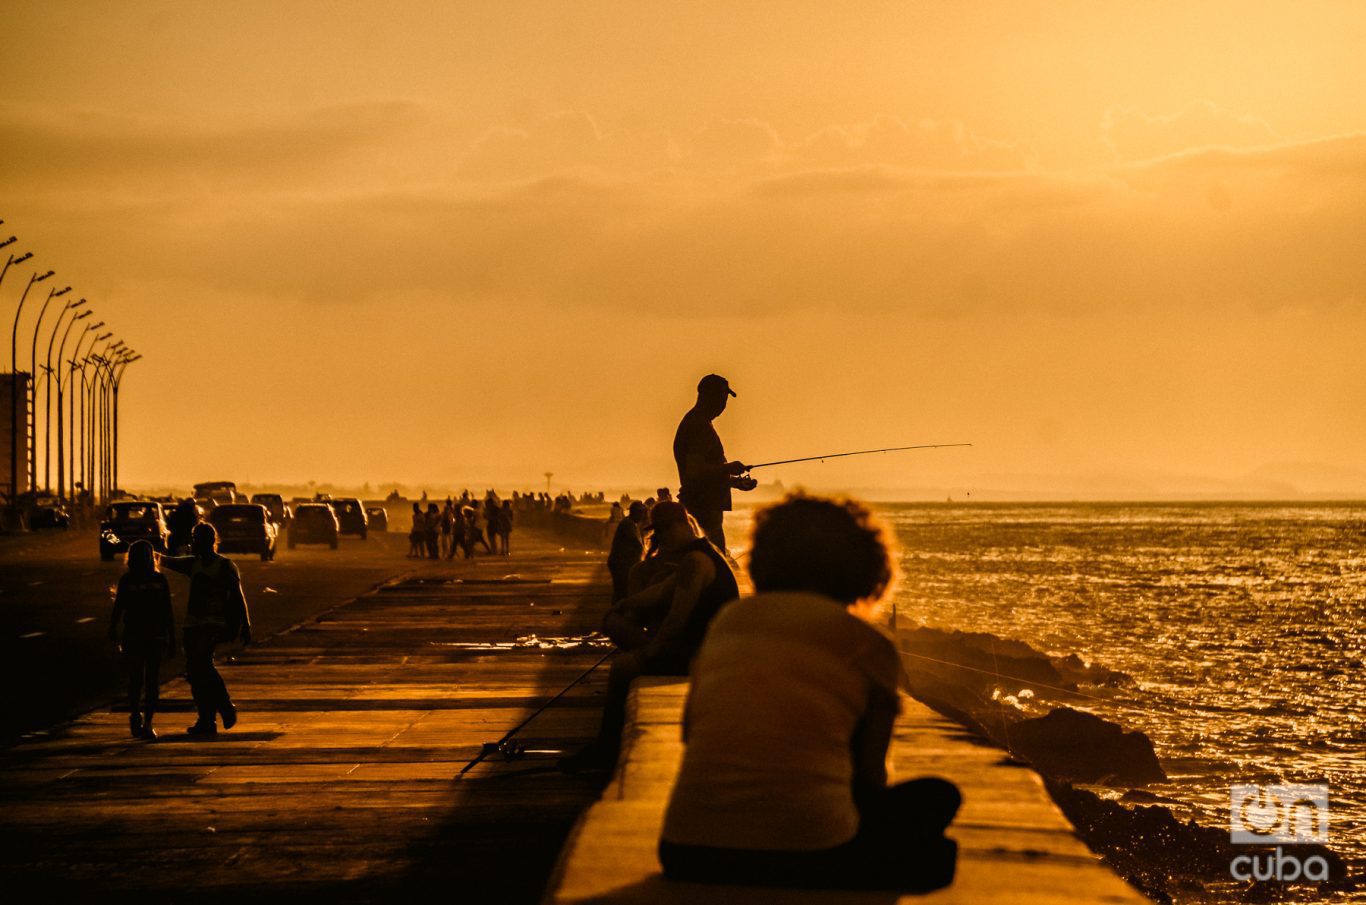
505	745
861	452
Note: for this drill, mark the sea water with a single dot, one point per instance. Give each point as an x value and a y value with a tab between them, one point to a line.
1242	625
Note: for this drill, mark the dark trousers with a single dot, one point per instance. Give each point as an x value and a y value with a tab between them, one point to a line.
627	666
620	572
206	685
143	660
900	845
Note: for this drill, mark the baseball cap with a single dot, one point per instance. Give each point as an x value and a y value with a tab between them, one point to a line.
714	383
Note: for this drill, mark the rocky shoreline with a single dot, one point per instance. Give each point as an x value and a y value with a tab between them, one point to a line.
988	684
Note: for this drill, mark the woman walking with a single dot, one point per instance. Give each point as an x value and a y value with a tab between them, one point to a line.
143	604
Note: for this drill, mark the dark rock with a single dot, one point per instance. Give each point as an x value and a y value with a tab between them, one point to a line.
1160	855
1079	746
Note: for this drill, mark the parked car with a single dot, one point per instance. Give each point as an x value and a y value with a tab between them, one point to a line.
126	522
212	494
350	516
245	528
276	507
314	523
378	518
46	511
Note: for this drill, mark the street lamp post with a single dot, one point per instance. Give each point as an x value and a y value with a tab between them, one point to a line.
70	378
104	374
88	415
33	384
12	260
47	392
61	352
129	357
14	383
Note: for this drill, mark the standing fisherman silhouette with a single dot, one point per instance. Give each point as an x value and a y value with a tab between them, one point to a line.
705	476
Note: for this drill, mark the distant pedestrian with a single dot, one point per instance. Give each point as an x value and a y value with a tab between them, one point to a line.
215	613
447	527
143	604
432	531
474	535
417	534
504	531
181	522
457	532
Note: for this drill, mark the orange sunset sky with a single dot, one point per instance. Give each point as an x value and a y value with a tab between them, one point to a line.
1117	246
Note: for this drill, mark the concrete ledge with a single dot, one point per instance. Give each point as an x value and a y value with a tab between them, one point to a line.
1014	844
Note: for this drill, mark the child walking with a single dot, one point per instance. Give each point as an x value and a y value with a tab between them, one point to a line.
143	604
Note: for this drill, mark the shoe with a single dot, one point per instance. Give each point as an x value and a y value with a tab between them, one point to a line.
135	725
203	729
148	734
229	713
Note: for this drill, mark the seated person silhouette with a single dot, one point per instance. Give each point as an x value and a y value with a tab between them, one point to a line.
784	780
659	629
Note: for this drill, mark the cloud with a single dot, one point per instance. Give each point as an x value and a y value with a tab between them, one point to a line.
923	144
76	151
1131	134
731	218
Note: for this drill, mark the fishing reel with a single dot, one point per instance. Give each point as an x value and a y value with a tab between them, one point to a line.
507	749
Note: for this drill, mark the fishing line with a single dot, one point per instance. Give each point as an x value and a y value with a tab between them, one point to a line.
1028	682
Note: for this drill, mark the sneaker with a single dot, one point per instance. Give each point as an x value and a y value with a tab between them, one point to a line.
229	712
203	729
148	734
135	725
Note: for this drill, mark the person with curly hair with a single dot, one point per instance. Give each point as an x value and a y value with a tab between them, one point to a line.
784	780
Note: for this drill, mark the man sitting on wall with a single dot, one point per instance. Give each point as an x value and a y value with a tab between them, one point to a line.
660	628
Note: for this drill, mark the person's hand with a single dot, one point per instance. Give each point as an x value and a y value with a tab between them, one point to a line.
745	483
736	468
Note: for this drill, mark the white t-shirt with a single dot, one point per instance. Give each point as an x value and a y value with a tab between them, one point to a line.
778	688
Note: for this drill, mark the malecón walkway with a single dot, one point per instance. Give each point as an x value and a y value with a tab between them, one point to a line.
341	782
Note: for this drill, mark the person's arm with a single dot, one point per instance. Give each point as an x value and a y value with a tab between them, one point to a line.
238	599
873	736
625	623
695	572
698	469
169	617
872	742
119	606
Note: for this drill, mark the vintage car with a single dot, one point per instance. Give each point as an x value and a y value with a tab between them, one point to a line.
212	494
244	528
128	521
46	511
276	507
350	516
377	516
314	523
